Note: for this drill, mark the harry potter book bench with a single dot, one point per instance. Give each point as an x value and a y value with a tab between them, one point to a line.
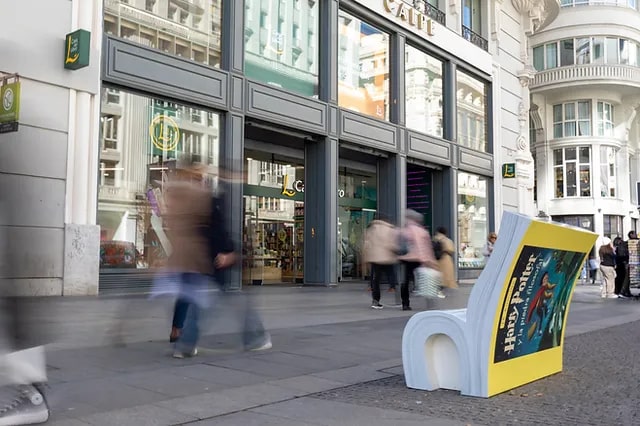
512	331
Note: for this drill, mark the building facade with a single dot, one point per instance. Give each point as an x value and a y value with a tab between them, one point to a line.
332	111
586	96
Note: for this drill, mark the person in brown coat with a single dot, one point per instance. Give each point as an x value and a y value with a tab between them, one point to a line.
445	262
381	251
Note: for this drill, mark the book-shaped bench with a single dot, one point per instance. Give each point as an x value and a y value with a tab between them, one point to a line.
511	332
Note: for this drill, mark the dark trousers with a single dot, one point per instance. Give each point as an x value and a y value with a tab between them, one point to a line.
409	267
621	275
377	270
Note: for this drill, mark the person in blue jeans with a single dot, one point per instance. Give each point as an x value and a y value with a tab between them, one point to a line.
200	214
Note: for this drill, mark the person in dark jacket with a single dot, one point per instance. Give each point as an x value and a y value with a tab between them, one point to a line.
622	261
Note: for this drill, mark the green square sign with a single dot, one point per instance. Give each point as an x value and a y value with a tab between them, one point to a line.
509	170
77	46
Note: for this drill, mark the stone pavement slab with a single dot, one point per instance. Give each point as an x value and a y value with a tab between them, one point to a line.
336	413
597	387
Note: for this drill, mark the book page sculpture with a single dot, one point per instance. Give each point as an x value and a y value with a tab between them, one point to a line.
512	331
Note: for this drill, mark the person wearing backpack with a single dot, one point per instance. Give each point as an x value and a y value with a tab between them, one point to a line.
444	249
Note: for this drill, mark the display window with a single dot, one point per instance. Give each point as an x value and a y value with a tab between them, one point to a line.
473	225
141	140
281	44
190	29
363	67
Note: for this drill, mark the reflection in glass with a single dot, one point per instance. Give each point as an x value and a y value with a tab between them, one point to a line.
281	44
583	51
612	50
187	28
472	106
538	58
566	52
608	180
473	226
423	92
140	141
363	67
598	50
552	55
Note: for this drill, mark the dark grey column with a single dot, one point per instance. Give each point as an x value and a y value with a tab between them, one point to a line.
329	51
450	114
321	212
397	75
445	203
232	163
392	187
233	36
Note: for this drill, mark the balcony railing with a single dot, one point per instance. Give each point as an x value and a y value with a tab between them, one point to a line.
435	13
620	73
474	38
631	4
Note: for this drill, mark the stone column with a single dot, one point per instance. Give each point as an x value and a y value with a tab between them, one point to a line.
523	157
82	235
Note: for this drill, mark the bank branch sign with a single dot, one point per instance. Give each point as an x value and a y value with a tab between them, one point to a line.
9	103
77	49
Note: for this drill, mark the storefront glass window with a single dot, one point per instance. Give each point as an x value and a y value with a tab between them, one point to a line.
281	44
273	233
472	112
190	29
612	226
141	139
608	181
363	67
357	203
423	92
473	225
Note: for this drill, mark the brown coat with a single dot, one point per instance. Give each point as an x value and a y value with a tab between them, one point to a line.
445	263
381	243
187	219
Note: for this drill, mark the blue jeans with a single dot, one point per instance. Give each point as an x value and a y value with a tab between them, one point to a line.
186	315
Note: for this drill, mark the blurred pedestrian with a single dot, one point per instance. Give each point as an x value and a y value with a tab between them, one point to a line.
22	359
607	267
622	262
444	250
594	265
220	254
419	251
381	247
488	246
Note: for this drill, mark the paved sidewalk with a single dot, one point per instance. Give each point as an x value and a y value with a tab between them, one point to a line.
325	339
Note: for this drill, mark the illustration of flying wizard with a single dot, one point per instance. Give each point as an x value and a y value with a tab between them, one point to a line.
539	305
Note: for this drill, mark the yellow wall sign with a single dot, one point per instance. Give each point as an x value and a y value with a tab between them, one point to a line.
164	132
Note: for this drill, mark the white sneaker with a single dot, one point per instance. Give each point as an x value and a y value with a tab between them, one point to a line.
264	347
180	354
27	407
441	295
612	296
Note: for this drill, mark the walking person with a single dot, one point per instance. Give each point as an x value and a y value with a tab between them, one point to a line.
381	252
488	247
607	267
622	261
22	354
594	265
444	249
419	252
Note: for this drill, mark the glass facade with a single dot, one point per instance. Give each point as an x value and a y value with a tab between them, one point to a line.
141	139
586	50
363	67
281	44
423	92
608	165
471	98
142	136
190	29
612	226
473	223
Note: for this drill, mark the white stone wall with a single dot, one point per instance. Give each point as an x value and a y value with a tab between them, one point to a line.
34	162
509	105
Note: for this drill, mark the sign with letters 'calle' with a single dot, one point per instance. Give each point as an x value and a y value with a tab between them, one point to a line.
77	46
